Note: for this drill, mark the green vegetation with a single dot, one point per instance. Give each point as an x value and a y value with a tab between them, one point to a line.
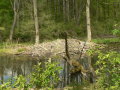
106	40
108	70
21	50
45	78
55	17
116	32
40	78
25	22
13	48
13	45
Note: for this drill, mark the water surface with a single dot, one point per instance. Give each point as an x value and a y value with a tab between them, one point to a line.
12	66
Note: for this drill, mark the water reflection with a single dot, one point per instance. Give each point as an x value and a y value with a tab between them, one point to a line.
76	78
11	66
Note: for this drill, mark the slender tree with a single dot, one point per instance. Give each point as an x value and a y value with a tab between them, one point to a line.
68	9
64	10
88	21
15	6
36	22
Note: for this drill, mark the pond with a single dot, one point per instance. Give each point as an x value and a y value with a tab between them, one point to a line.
12	66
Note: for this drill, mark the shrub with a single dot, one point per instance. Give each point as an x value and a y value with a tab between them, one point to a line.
116	32
108	70
48	77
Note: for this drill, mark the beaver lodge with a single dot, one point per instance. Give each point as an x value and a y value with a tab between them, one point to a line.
70	50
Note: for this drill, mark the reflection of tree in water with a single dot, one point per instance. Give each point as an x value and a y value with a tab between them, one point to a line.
16	67
23	65
11	66
2	73
19	70
2	68
67	77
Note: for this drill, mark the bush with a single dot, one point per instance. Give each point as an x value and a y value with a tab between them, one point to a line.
48	77
108	70
116	32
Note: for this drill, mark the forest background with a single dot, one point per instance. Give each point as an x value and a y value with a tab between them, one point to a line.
55	17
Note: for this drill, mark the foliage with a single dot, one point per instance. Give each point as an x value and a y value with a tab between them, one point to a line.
5	86
20	82
108	70
106	40
6	45
46	77
6	16
53	20
116	32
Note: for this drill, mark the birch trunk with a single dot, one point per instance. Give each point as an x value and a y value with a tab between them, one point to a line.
36	22
88	21
16	10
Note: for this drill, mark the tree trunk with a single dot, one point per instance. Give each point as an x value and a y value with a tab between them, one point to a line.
36	22
97	10
74	1
76	10
68	10
16	9
13	27
64	11
88	21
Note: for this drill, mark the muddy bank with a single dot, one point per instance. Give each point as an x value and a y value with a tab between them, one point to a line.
57	47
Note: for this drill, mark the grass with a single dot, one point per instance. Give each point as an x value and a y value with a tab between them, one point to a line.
12	45
21	50
13	48
106	40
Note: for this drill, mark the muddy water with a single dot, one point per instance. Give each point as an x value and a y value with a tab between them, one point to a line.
11	66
